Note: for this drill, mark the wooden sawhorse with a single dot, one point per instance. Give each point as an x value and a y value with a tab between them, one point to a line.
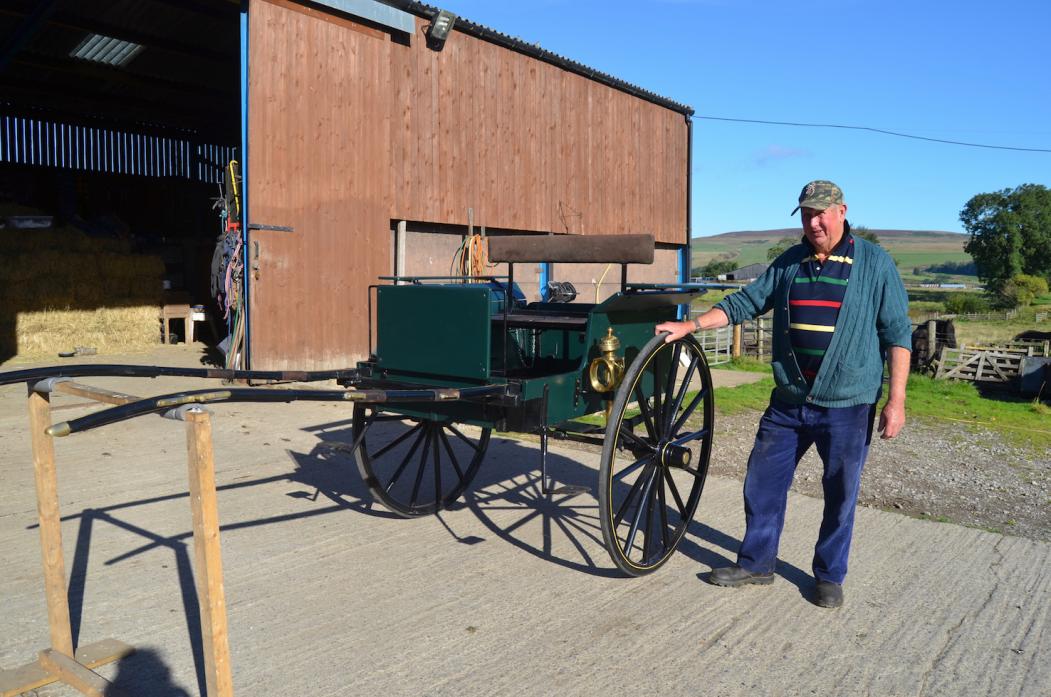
60	662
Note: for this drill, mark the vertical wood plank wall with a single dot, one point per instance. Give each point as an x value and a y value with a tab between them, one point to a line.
349	130
318	139
529	146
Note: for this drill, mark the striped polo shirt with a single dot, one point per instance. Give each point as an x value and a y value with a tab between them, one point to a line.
814	302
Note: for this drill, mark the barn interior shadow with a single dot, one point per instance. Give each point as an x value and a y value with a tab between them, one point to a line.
108	244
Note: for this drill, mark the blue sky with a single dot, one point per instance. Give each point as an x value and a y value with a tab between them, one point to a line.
968	70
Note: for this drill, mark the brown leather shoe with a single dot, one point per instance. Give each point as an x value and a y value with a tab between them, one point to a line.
733	576
828	594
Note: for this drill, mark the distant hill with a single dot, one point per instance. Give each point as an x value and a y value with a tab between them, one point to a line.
910	248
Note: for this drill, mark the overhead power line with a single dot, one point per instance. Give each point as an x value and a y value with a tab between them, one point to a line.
873	130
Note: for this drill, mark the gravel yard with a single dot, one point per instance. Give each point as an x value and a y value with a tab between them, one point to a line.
937	470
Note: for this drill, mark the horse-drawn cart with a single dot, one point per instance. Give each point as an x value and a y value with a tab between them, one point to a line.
455	358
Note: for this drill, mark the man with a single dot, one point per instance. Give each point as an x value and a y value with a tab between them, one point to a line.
840	310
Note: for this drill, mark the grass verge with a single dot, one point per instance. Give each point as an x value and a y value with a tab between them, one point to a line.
1019	420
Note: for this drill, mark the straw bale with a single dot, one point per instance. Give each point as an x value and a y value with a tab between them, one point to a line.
65	239
60	288
110	330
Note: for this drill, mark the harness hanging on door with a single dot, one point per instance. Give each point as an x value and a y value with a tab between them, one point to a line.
227	271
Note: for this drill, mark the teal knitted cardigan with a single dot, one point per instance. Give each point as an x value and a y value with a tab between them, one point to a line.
874	317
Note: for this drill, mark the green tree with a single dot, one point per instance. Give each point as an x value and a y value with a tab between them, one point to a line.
963	303
1010	234
781	247
864	233
1022	290
717	266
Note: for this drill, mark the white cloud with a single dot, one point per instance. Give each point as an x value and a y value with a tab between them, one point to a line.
774	153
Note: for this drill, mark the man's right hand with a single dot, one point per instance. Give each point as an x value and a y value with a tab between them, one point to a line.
712	319
676	330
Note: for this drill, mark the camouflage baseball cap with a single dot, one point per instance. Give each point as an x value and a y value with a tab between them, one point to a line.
819	195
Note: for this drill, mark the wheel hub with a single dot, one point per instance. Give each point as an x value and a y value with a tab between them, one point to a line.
675	455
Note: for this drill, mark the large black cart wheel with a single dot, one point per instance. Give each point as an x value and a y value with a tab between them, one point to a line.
655	455
415	467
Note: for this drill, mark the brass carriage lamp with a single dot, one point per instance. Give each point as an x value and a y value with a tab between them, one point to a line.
607	371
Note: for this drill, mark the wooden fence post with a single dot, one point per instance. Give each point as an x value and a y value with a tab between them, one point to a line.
736	350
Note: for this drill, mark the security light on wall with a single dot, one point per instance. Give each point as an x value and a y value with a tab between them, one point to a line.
438	32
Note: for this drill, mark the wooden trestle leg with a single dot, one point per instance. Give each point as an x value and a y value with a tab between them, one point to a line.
60	662
207	557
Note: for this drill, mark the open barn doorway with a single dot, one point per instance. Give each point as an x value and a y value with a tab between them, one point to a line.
118	119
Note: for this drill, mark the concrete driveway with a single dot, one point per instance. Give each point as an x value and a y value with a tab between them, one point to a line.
509	594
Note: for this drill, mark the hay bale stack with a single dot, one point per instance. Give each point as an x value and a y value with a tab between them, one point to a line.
110	330
60	288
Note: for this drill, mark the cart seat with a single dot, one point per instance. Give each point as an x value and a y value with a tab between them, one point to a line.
583	249
537	320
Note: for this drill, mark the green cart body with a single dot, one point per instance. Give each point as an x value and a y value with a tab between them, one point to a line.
553	363
458	335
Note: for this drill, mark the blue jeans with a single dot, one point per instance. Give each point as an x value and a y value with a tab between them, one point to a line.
842	437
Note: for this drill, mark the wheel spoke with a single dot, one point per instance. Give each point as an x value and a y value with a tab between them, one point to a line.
638	514
663	506
359	435
404	463
644	409
690	409
379	453
452	456
681	394
675	495
683	440
657	396
437	467
647	541
630	497
636	439
669	388
465	439
632	467
419	470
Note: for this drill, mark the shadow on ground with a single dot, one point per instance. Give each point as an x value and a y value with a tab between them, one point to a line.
507	486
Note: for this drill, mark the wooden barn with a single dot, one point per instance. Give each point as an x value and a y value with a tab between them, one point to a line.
372	136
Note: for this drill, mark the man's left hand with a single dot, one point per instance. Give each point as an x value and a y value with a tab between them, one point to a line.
891	419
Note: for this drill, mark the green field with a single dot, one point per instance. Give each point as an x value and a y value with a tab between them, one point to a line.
911	249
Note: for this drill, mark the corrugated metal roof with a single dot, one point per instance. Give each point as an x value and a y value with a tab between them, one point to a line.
516	44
